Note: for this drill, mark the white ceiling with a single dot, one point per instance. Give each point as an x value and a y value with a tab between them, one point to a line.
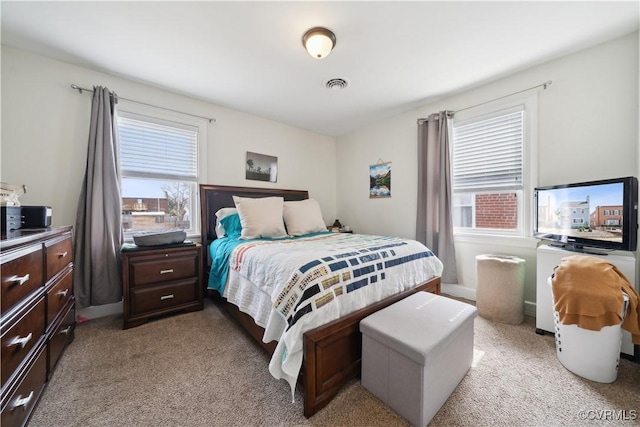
248	56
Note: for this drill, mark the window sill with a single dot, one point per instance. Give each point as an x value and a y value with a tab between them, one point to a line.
497	240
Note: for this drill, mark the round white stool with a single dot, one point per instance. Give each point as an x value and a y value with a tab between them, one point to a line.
500	288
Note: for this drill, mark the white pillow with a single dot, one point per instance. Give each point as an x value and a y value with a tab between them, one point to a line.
222	213
303	217
261	217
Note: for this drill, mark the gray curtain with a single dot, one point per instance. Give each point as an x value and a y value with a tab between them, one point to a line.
98	231
434	224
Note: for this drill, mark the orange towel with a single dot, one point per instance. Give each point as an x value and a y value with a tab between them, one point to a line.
588	292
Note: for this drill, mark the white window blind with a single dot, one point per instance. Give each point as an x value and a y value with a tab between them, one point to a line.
151	150
488	153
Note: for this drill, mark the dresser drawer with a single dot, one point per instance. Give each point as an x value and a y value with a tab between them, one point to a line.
158	298
59	295
62	335
146	271
59	253
20	404
21	337
21	274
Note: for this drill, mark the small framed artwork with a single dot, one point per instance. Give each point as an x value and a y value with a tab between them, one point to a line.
380	180
261	167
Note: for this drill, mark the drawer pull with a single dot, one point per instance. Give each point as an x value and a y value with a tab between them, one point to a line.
63	293
20	341
17	280
164	297
166	271
65	331
21	401
62	254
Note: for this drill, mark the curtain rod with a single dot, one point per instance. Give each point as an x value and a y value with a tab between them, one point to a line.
81	89
542	85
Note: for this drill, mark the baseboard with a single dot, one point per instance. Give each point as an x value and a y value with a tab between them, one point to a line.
470	294
96	311
530	308
459	291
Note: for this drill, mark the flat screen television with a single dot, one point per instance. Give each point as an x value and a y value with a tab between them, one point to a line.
588	216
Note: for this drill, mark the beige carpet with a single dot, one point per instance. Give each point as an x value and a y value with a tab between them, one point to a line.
200	369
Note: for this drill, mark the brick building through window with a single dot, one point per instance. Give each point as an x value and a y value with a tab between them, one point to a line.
498	211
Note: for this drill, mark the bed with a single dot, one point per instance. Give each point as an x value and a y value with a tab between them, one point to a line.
331	352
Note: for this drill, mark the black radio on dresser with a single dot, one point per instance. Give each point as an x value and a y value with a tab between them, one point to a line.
19	217
11	218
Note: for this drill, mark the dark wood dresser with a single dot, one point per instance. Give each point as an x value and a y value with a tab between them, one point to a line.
160	281
38	314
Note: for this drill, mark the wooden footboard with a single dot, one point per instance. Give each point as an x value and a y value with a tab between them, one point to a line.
333	352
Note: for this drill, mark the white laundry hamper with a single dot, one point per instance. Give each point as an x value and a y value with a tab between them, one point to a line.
593	355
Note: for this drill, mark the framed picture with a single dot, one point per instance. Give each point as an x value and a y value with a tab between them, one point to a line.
380	180
261	167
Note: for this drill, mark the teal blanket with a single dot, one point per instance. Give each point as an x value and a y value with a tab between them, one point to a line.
220	250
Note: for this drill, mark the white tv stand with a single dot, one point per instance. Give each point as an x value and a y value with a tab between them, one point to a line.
548	257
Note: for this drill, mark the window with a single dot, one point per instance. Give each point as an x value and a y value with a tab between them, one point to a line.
488	172
159	165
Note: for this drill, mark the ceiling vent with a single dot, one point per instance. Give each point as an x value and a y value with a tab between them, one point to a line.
336	84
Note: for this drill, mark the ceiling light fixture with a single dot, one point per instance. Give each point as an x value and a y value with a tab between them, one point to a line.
319	42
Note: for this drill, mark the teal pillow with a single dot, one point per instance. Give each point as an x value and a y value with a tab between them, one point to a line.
232	226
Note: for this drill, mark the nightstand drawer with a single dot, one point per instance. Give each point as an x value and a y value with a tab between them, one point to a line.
171	267
59	254
21	275
21	338
158	298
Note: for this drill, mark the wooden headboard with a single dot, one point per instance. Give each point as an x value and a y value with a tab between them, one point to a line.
215	197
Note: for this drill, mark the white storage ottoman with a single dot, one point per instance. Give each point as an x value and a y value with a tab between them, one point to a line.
416	351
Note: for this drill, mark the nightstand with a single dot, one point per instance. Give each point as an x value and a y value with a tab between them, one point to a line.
159	281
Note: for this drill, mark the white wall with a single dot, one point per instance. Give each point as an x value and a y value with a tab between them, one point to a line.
587	129
45	127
